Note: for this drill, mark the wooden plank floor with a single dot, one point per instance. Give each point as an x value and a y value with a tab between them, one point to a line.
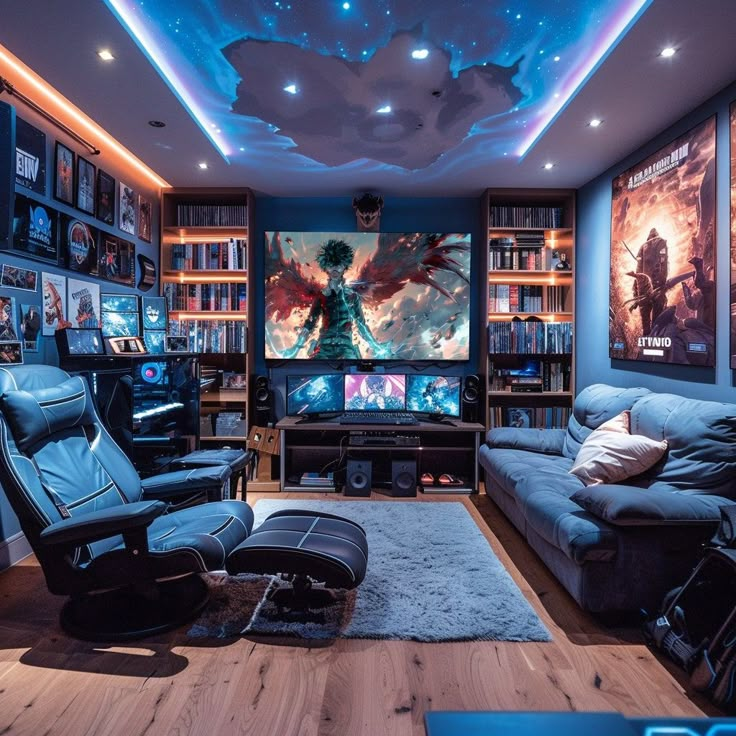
52	684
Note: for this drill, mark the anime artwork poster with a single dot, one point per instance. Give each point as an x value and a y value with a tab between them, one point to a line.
53	287
733	233
84	303
662	289
367	296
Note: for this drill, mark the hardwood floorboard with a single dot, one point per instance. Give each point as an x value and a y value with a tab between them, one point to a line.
173	684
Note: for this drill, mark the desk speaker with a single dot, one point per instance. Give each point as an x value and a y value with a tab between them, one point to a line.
262	401
403	478
358	478
471	399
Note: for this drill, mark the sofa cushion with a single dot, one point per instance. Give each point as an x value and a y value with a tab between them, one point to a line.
593	406
611	456
548	441
625	505
702	443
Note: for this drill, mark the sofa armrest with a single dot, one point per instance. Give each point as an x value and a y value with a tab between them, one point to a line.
177	483
103	523
632	506
546	441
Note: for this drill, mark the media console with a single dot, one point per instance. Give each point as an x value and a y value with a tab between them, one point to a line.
449	447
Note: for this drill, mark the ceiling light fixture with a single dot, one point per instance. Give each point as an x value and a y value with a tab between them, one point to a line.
624	21
157	123
291	89
420	53
136	27
384	110
549	165
202	165
667	52
595	122
105	55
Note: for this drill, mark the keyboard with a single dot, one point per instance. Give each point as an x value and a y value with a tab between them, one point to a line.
377	417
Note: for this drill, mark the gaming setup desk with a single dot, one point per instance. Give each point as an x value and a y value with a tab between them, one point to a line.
382	431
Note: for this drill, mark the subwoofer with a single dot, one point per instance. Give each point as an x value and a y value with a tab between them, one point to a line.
404	478
358	478
471	399
262	402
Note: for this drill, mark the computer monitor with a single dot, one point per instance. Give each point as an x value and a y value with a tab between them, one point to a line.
433	394
79	341
315	394
375	392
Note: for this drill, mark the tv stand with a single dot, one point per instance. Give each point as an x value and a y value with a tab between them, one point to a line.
442	448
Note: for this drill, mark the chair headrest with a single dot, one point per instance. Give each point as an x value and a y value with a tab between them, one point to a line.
34	415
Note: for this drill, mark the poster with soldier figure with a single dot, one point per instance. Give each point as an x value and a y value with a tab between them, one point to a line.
662	288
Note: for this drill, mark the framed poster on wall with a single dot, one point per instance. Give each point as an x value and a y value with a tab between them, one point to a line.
662	282
732	153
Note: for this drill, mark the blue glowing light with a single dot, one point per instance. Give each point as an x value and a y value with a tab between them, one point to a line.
291	89
346	6
420	53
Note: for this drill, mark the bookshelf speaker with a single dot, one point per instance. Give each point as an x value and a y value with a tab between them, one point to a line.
262	401
404	478
358	478
471	399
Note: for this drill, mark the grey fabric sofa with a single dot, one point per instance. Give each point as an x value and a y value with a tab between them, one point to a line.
618	547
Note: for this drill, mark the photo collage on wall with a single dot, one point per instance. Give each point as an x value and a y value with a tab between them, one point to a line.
662	281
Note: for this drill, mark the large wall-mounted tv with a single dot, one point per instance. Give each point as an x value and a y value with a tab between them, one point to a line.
367	296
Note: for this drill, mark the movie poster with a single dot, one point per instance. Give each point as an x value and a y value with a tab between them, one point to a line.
84	303
662	288
367	296
53	287
733	235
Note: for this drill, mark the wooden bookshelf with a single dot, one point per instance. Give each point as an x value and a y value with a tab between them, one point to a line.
530	306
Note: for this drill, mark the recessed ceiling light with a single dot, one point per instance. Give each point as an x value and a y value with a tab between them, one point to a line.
105	55
346	6
291	89
549	165
384	110
157	123
667	52
595	122
242	148
420	53
202	164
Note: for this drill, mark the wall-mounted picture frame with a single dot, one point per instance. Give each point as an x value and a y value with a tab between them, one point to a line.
153	312
116	260
34	229
53	287
86	179
105	210
176	343
154	341
84	303
78	244
15	277
11	353
144	219
8	322
119	302
30	157
662	280
64	174
128	206
30	326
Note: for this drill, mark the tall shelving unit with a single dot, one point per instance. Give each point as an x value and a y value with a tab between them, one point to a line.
530	298
205	259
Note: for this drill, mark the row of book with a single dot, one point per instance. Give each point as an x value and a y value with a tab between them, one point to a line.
549	417
515	298
503	216
212	215
530	337
212	336
503	258
550	377
231	255
206	297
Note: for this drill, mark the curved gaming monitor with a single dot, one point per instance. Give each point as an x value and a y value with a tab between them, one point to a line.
367	296
433	394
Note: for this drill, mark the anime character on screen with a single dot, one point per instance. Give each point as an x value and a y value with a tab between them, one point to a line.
339	308
375	392
336	325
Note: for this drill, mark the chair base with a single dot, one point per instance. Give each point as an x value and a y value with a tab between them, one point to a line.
131	613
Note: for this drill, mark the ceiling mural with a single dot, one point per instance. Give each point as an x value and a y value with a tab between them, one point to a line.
398	86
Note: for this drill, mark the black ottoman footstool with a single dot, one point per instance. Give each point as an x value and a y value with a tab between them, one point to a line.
236	460
304	546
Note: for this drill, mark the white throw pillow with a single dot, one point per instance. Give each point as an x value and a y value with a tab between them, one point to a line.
610	457
620	423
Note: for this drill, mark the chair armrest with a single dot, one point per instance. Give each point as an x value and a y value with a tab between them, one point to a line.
173	485
103	523
546	441
632	506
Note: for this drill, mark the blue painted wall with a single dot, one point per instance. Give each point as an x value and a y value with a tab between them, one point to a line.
593	238
336	214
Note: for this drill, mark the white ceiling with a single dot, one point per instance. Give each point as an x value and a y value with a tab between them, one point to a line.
636	93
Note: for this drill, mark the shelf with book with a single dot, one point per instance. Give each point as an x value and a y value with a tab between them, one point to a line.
204	277
530	304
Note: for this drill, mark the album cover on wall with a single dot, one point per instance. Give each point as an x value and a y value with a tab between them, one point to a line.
64	174
78	245
127	209
116	261
105	197
34	229
30	157
662	281
84	303
86	177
